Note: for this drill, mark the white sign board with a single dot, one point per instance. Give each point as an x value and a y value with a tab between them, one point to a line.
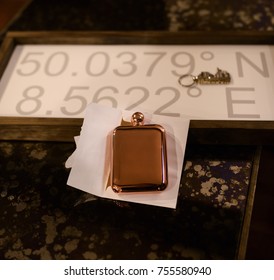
60	80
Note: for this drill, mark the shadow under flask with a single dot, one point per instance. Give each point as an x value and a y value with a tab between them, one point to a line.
139	157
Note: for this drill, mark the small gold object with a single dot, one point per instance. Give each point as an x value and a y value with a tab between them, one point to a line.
139	158
221	77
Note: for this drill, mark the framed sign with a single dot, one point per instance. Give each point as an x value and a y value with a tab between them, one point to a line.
47	76
47	79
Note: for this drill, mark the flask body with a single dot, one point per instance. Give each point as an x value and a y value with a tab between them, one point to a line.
139	159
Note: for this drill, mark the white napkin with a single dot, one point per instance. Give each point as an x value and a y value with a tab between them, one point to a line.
90	163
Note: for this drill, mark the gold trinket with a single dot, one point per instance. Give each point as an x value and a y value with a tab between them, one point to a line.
221	77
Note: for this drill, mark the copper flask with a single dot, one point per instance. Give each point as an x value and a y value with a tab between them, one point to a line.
139	157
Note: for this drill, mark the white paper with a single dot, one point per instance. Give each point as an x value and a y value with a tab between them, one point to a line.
89	169
91	160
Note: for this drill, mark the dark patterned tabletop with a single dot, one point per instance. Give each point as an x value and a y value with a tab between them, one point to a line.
43	218
129	15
